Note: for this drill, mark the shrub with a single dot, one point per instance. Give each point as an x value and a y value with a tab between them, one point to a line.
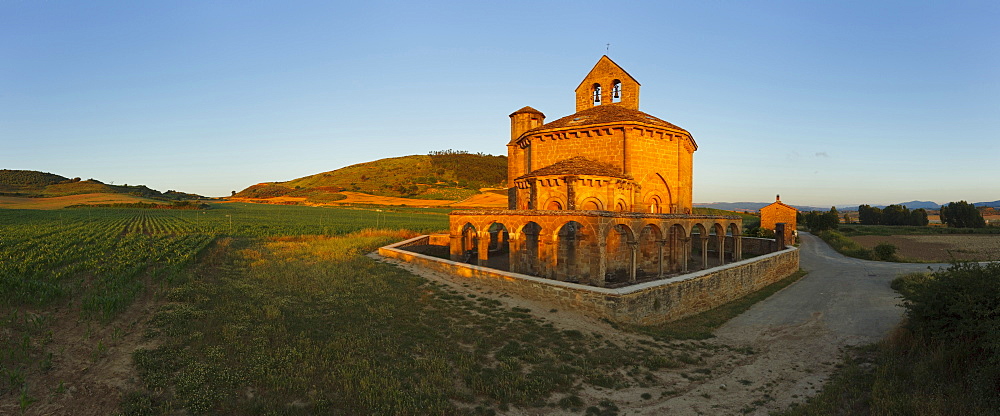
884	252
960	307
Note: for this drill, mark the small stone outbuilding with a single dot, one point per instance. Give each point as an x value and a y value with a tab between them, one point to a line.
779	212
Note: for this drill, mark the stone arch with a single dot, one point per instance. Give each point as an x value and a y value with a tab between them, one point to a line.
678	241
699	245
570	246
718	231
498	249
554	204
526	261
649	261
616	91
470	243
655	186
621	206
655	204
735	242
595	93
591	204
619	254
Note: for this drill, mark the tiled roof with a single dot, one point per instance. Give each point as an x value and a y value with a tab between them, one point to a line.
778	203
607	113
578	165
527	109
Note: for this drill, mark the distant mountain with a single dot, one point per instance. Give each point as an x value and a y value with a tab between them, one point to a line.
916	205
30	183
754	206
447	175
994	204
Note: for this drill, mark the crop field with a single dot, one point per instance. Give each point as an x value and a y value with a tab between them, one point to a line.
91	264
262	309
939	248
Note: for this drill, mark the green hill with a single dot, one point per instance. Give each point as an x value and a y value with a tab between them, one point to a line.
446	175
34	184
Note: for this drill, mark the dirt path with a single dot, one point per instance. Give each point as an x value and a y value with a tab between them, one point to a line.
797	335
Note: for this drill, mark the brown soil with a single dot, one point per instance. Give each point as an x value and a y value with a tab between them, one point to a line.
91	362
938	248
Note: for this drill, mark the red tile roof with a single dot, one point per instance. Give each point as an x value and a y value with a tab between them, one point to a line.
607	113
578	165
527	109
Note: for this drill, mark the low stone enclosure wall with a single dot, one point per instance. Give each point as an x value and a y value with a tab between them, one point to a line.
644	303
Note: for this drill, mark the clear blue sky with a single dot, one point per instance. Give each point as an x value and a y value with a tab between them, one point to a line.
824	102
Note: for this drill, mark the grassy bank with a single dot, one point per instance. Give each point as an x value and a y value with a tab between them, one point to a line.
306	325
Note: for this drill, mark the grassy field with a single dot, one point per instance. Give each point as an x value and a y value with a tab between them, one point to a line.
263	309
87	266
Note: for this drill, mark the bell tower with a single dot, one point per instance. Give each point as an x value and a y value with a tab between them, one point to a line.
607	83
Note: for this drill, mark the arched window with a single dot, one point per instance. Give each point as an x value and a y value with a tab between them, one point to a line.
616	91
597	94
654	205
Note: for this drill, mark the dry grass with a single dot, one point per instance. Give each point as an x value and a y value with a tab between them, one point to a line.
484	200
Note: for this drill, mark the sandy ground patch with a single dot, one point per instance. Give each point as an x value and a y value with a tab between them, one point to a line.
938	248
14	202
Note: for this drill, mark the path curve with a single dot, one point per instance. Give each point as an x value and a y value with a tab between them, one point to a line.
798	333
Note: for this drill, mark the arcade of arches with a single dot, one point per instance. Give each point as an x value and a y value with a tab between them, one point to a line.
598	248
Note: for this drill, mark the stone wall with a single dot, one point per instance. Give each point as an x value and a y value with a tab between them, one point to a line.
757	245
646	303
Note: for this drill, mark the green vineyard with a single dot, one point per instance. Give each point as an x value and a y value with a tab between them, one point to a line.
99	254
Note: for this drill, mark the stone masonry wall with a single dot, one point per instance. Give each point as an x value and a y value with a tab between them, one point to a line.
647	303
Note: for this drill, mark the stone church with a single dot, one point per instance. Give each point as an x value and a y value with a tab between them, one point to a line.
601	197
606	156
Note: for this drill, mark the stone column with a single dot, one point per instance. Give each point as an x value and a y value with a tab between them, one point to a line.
633	248
704	252
659	262
721	240
602	263
570	193
737	247
483	249
532	193
456	247
686	244
514	252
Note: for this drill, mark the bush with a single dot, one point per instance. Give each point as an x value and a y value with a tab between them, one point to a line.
884	252
960	307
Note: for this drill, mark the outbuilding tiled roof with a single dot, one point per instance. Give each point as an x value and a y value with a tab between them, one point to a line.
607	113
578	165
